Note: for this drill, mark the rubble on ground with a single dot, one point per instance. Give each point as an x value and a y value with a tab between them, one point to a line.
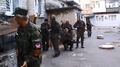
100	37
8	59
106	47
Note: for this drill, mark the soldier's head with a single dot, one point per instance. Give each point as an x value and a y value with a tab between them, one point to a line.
63	22
53	18
21	16
89	21
78	19
67	22
46	20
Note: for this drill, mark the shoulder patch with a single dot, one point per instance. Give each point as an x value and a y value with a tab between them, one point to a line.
38	45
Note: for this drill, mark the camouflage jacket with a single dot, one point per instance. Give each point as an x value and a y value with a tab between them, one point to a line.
29	43
80	25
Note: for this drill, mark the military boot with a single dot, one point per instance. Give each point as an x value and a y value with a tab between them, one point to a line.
82	45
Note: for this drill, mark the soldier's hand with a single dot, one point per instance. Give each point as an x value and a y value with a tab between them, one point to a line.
72	40
59	36
25	64
17	52
43	27
49	29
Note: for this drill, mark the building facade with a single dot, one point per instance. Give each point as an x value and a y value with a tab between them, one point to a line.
106	13
101	13
87	13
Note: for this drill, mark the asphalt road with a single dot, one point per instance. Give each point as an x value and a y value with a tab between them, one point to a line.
90	56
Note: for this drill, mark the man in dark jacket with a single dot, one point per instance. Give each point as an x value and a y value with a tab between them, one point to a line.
55	35
80	25
45	28
89	26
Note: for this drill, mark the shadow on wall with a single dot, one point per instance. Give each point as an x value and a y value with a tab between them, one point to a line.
9	42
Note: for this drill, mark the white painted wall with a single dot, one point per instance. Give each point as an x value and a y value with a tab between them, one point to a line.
77	1
106	22
101	8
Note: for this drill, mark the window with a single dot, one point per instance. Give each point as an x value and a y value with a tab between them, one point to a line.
87	6
36	2
62	4
111	4
78	14
99	18
93	4
98	5
39	7
112	17
8	2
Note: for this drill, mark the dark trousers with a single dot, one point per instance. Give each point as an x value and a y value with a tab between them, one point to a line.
89	32
20	60
55	42
66	43
45	39
80	35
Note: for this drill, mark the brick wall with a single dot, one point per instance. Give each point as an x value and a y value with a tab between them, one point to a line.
70	16
2	5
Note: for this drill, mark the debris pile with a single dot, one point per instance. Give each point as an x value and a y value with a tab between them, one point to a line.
100	37
8	59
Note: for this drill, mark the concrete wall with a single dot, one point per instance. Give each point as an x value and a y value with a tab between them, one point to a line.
70	16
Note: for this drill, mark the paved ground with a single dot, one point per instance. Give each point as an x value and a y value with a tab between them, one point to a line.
90	56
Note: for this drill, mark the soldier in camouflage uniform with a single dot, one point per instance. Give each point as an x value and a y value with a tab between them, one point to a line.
63	25
55	35
62	30
28	40
80	25
68	40
69	27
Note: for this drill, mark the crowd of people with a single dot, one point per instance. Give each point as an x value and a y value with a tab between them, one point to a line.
31	41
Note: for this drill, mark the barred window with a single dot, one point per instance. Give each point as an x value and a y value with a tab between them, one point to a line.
8	5
39	7
78	15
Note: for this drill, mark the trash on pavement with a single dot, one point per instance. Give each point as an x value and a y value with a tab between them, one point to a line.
106	47
100	37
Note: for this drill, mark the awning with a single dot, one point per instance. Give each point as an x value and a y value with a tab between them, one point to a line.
88	16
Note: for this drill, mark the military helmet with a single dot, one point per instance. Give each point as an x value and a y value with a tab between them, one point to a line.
53	16
21	11
46	19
